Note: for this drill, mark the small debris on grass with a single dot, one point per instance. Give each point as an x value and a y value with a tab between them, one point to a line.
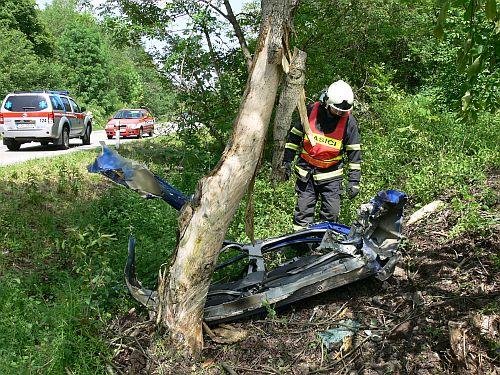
225	333
458	340
345	329
425	211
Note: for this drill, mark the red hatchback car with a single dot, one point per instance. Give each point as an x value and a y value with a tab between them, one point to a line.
132	123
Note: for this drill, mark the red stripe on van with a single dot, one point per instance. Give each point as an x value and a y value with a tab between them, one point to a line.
25	114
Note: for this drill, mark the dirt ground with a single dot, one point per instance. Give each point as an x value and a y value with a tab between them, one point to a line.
438	314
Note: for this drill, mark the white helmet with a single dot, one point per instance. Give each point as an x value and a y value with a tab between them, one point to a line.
339	97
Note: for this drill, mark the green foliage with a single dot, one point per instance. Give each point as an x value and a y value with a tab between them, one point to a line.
21	72
63	48
474	214
208	73
22	15
81	49
347	42
63	248
471	32
271	312
412	146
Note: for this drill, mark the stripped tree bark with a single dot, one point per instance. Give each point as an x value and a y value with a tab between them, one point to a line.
204	221
288	101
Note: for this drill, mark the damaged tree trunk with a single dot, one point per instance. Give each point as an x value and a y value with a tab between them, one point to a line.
289	99
203	223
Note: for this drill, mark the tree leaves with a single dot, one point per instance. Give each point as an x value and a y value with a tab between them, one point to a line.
491	9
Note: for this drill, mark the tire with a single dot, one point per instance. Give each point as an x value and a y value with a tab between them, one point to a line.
151	132
12	144
64	139
86	136
141	133
110	136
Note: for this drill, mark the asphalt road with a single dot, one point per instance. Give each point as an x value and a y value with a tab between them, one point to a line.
34	150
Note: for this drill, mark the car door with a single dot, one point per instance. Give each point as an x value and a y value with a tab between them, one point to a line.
57	109
148	120
70	116
79	117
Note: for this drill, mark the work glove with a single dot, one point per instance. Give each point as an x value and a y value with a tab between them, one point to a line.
352	189
287	170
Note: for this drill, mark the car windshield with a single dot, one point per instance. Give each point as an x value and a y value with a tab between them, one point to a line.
127	114
25	103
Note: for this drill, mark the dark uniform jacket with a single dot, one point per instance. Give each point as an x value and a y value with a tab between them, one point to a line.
351	147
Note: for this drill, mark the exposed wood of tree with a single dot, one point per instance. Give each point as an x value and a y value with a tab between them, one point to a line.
204	222
288	100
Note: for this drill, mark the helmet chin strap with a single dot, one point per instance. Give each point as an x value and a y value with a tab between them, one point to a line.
330	114
335	113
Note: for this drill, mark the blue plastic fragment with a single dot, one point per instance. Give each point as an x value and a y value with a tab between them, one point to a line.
345	328
110	160
330	225
123	172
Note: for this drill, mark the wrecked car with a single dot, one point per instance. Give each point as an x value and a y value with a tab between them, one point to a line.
327	255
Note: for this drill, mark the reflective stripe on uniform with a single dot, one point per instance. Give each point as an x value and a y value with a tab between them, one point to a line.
335	158
320	163
354	166
292	146
327	175
354	147
300	171
297	132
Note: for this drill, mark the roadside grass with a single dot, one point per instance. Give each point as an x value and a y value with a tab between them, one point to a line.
64	232
63	241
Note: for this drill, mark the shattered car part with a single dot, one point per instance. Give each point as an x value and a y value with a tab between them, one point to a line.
342	330
368	249
136	177
340	255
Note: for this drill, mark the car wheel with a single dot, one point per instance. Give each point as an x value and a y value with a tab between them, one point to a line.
86	136
151	132
110	136
141	133
64	139
12	144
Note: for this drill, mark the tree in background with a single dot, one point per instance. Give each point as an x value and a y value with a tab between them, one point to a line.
206	60
469	32
22	72
25	46
86	70
63	47
22	15
344	40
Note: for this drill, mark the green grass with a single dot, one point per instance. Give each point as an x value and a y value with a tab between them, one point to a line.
64	232
63	246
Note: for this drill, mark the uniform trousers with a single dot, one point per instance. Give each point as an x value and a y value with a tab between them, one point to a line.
308	194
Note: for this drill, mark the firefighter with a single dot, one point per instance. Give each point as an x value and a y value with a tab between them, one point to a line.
320	165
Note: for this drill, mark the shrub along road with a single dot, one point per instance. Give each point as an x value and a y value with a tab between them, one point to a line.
34	150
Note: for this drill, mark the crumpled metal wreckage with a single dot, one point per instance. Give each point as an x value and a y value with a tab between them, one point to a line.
338	255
